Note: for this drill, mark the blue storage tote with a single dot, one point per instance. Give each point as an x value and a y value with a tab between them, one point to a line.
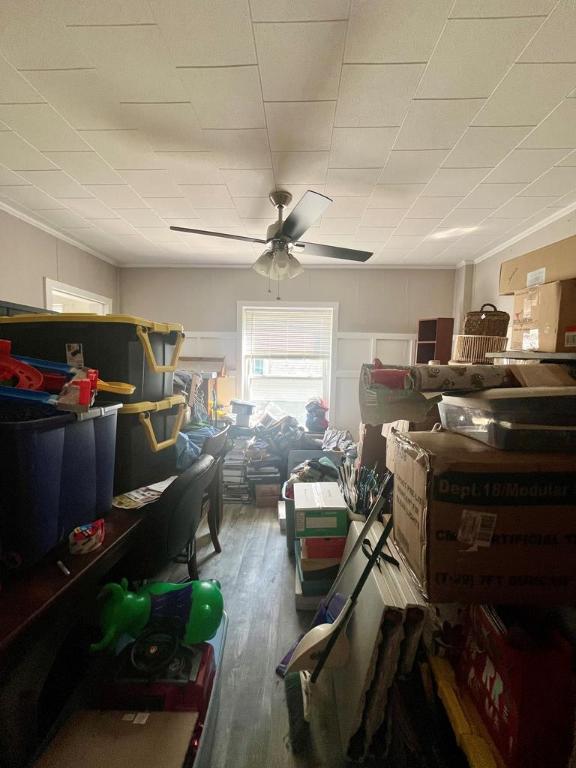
122	347
57	472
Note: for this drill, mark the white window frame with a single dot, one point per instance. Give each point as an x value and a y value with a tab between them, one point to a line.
240	364
50	286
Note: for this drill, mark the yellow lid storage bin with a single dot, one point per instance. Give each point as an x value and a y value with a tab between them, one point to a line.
122	347
146	437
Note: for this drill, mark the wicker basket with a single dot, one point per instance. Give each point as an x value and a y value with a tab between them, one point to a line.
472	349
492	322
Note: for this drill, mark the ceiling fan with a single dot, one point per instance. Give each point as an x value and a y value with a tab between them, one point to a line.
278	262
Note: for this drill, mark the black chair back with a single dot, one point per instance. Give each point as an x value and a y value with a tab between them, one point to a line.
215	445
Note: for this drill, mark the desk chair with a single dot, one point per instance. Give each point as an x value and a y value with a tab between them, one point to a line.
172	522
215	446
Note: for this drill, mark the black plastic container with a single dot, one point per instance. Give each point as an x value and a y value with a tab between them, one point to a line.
56	472
146	442
123	348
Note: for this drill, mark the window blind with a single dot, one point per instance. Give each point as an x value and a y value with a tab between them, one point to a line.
299	332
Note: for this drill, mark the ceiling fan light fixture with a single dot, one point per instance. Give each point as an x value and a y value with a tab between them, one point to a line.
278	264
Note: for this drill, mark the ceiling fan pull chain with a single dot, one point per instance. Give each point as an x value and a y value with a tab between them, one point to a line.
278	289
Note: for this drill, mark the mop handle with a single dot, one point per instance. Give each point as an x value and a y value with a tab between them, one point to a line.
370	520
353	599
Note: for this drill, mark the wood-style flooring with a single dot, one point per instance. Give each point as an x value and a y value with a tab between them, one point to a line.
257	578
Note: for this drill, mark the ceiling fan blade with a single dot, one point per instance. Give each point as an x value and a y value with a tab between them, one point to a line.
218	234
306	212
348	254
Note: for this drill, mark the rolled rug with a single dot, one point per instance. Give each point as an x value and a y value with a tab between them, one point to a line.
439	378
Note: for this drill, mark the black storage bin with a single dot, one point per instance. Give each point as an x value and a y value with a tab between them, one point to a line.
146	442
56	472
123	348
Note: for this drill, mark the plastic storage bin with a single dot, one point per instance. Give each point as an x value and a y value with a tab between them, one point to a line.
526	419
56	473
146	442
122	348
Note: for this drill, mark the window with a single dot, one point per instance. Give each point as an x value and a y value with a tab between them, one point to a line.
66	298
286	355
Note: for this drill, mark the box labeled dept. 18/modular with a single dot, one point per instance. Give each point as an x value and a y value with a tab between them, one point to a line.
480	525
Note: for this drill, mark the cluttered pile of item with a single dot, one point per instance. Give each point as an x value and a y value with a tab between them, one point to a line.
441	641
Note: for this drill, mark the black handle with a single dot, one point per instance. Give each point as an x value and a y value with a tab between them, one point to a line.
488	305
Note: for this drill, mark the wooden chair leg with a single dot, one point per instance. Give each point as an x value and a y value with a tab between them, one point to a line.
213	524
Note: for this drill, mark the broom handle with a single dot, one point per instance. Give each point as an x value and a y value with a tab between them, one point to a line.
370	520
353	599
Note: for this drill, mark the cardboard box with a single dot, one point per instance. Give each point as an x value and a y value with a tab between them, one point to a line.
544	265
93	739
544	318
479	525
319	510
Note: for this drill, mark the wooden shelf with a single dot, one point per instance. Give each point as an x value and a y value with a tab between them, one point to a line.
512	354
434	339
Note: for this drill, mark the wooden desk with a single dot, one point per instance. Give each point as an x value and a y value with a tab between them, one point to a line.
37	611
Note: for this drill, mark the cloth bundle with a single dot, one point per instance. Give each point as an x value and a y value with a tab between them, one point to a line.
316	410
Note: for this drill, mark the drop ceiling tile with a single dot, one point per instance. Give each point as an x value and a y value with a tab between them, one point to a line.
315	55
555	39
338	226
417	226
351	181
432	207
495	8
82	96
9	178
18	155
412	166
123	149
454	182
555	182
191	167
361	147
257	227
13	87
226	217
151	183
56	183
168	126
562	202
104	12
225	97
116	195
383	31
64	218
375	234
90	208
297	126
436	123
29	197
41	126
114	226
472	55
376	94
465	217
300	167
32	36
527	94
171	207
406	242
253	207
569	159
491	195
134	58
160	234
430	248
395	195
245	183
206	33
299	10
525	165
346	208
557	130
484	147
521	207
497	226
382	217
140	217
207	195
86	167
240	149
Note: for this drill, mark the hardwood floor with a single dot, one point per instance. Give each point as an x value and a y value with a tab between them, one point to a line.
257	578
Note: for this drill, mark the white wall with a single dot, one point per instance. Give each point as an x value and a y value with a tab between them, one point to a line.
28	255
378	313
